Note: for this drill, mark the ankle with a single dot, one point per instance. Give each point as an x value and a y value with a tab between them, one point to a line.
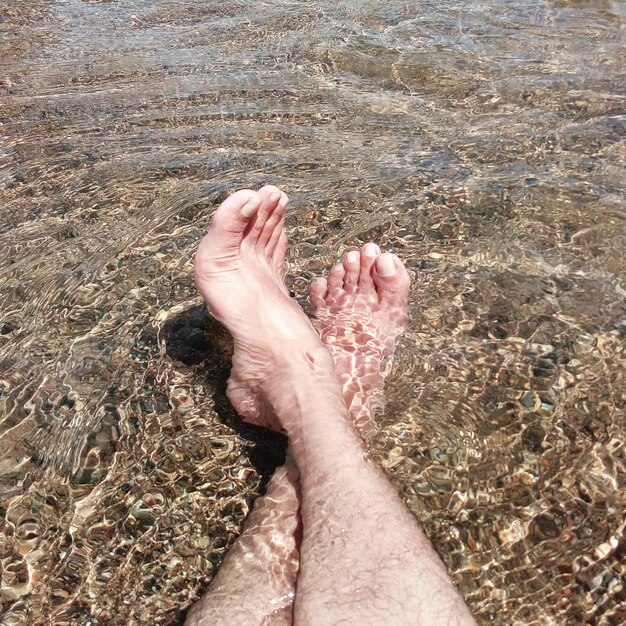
306	356
300	379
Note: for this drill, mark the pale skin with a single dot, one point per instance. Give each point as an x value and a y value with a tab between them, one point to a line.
343	306
362	557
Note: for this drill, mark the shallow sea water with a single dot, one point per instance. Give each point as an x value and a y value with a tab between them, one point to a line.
481	141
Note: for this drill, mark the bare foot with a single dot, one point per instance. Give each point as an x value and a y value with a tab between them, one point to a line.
239	273
360	311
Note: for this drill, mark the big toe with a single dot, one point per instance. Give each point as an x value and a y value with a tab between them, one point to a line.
228	225
392	280
269	212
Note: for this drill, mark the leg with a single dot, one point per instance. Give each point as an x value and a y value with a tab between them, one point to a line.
390	577
363	557
275	350
360	332
256	581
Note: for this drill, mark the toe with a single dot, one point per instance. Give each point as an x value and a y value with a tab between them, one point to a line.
274	236
274	226
317	293
369	252
279	253
235	214
391	279
335	279
228	225
352	267
270	197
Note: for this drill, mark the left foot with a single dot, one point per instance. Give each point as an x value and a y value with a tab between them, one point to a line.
360	311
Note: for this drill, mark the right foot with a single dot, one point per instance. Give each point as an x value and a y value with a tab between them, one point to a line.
239	273
360	311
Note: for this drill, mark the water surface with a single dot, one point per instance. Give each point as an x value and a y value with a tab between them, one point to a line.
482	141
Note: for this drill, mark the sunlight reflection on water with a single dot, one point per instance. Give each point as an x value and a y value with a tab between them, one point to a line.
483	143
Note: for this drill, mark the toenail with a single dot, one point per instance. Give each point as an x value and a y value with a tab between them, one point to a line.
250	207
386	266
371	250
352	257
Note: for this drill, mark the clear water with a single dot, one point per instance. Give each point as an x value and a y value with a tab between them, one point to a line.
482	141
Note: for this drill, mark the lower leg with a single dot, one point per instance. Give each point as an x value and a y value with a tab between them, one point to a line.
254	584
363	558
341	489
